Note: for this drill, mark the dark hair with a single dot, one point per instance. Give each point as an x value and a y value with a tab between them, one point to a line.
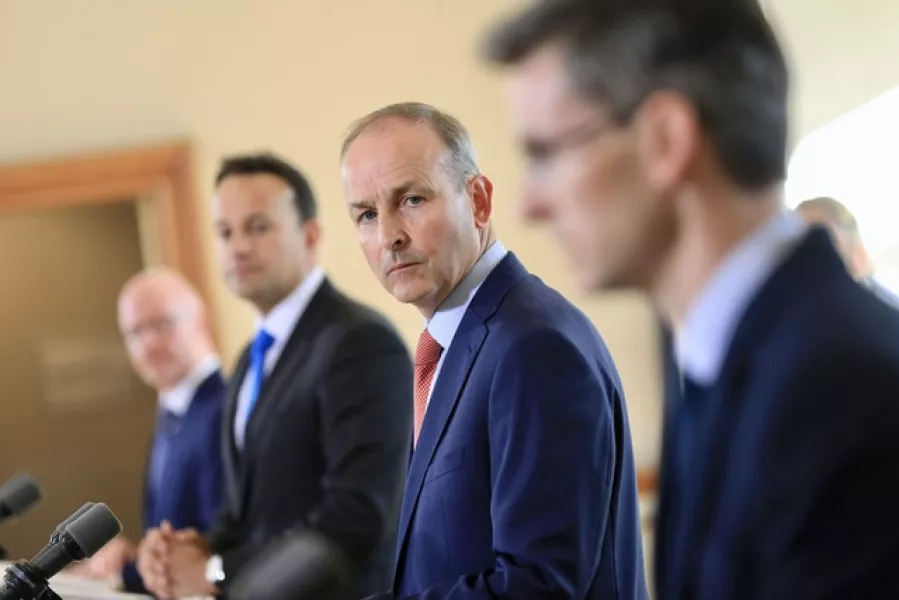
721	55
463	160
257	164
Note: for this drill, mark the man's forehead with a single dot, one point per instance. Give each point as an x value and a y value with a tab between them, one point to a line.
385	159
252	197
541	91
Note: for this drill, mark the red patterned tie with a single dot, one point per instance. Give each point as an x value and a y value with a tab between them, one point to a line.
427	355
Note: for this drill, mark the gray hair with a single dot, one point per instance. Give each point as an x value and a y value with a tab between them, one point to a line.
834	211
463	160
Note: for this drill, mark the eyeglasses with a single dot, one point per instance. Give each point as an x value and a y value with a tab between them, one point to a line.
544	152
157	326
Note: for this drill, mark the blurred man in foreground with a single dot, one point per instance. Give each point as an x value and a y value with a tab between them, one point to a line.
842	225
656	138
166	332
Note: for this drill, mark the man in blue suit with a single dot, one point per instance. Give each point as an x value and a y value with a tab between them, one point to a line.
522	481
164	325
656	134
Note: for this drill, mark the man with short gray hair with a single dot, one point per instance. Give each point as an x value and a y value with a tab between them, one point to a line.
522	483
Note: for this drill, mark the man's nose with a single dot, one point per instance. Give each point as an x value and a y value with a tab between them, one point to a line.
392	234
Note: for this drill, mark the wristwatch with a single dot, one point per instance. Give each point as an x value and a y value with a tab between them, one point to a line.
215	573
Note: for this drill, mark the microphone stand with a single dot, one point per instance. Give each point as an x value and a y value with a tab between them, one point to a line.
23	579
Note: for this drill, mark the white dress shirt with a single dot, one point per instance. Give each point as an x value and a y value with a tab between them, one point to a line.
445	321
704	340
279	323
177	400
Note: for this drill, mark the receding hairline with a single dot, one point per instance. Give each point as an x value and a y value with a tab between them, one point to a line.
833	210
164	280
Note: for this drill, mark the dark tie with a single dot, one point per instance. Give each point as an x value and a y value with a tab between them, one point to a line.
427	355
261	345
691	403
167	425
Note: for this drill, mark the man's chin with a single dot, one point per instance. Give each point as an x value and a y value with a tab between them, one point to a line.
409	294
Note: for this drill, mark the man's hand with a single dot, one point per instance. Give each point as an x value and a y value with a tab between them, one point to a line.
187	558
152	560
109	561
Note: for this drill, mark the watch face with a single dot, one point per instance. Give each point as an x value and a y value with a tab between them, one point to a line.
214	571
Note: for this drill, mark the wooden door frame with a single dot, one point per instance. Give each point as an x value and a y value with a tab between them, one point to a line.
161	174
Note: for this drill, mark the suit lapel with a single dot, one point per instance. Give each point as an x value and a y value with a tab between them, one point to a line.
451	380
283	375
230	453
813	261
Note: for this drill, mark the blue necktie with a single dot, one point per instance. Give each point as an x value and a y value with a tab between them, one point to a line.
261	345
167	424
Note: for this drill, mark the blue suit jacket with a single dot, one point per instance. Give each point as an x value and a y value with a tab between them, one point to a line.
522	485
192	497
794	482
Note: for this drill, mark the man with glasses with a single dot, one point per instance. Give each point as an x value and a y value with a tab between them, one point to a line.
781	454
522	481
166	332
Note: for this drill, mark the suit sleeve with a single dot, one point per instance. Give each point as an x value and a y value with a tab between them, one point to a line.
552	454
828	520
366	412
365	403
210	479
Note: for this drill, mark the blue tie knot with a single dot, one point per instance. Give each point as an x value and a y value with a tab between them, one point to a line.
262	343
260	346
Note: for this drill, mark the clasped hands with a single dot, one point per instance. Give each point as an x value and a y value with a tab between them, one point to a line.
172	563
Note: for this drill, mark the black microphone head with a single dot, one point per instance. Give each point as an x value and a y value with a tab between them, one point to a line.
92	529
61	528
18	495
302	566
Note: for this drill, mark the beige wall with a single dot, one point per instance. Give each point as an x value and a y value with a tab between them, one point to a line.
289	75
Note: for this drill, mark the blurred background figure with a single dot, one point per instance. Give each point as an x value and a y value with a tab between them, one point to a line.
843	227
164	325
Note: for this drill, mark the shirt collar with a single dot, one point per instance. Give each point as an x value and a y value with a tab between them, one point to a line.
703	341
281	320
177	400
443	324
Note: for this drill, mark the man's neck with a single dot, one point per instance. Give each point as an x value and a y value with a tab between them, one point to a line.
710	230
266	305
427	309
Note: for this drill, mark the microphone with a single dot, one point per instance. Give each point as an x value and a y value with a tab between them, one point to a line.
80	536
18	495
304	566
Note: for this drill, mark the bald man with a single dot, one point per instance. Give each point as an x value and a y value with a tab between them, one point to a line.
164	325
843	227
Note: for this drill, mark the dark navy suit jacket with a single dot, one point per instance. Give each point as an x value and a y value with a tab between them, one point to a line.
793	484
192	496
523	484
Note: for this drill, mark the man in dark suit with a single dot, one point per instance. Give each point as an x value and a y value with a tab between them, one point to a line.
319	414
522	481
166	332
833	215
656	134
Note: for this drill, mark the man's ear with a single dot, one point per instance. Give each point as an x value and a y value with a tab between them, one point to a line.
481	192
313	233
668	139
